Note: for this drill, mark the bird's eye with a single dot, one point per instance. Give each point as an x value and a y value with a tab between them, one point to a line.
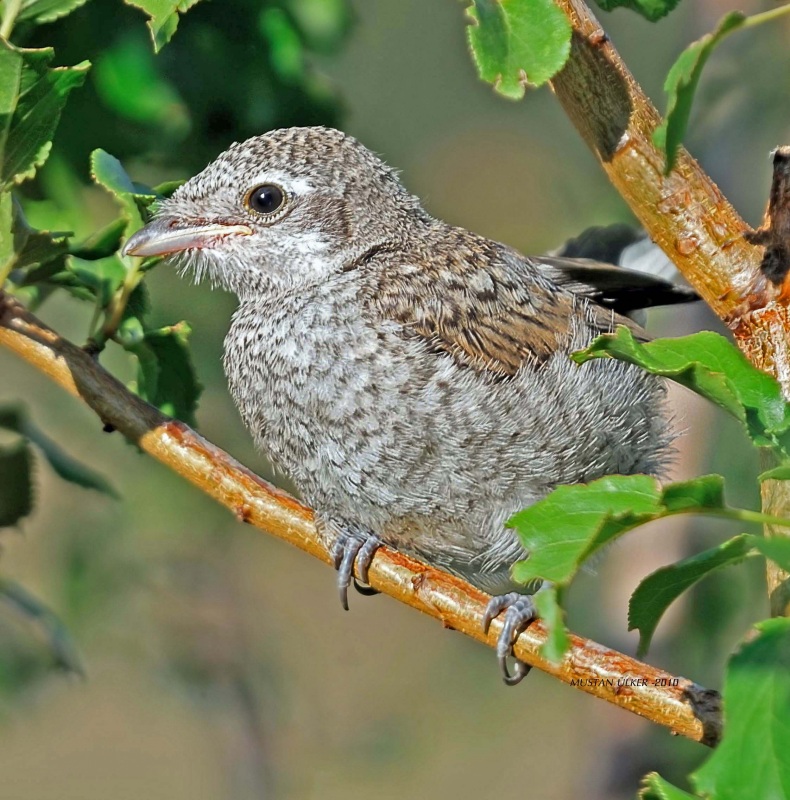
266	199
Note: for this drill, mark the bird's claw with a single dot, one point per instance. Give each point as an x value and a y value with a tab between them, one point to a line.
519	612
354	550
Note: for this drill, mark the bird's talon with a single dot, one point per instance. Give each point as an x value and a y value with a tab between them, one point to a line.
338	548
520	671
493	609
519	612
365	557
348	551
364	589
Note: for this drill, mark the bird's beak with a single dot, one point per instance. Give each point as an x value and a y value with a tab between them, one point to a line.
165	235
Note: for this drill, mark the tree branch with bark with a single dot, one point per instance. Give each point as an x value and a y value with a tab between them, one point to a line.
677	703
739	272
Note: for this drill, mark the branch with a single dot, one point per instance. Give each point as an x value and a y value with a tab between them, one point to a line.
686	215
677	703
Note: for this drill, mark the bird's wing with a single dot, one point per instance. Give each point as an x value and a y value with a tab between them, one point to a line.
623	290
483	303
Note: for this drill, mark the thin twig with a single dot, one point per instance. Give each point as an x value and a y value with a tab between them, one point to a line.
677	703
685	213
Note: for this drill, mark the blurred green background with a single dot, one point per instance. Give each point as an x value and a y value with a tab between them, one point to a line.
219	663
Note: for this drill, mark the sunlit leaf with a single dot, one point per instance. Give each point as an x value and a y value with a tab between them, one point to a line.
572	522
551	615
163	17
32	97
775	548
780	473
40	11
752	758
7	237
167	188
660	589
516	43
714	368
133	198
681	84
654	787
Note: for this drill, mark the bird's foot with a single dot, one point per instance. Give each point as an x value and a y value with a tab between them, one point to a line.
354	549
519	612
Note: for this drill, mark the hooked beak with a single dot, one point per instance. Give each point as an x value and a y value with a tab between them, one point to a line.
165	235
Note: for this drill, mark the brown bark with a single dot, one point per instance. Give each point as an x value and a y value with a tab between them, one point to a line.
679	704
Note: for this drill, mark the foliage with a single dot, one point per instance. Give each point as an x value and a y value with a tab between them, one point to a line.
176	107
521	43
562	531
572	523
713	367
179	107
683	78
517	44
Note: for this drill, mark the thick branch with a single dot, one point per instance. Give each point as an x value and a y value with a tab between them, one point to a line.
682	706
684	213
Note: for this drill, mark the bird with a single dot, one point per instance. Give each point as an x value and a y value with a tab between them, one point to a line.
412	378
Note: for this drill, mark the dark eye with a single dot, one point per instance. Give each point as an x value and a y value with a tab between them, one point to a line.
266	199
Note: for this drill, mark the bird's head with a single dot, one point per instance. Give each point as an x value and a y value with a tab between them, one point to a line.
280	211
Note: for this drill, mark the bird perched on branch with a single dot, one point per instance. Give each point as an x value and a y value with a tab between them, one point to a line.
411	377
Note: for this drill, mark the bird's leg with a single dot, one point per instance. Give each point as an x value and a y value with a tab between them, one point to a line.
519	611
354	547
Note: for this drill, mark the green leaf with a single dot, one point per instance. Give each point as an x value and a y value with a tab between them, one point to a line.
108	172
654	787
163	17
572	522
16	483
32	98
286	51
61	645
780	473
40	253
681	84
322	23
166	377
102	243
167	188
776	548
516	43
40	11
653	10
7	236
714	368
752	758
128	81
101	278
15	419
550	613
660	589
